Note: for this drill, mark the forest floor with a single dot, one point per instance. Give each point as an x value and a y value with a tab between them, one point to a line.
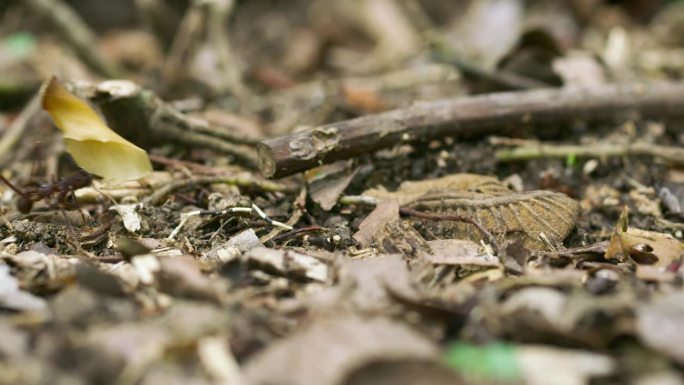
342	192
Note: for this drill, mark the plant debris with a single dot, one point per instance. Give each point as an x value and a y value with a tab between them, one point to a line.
341	192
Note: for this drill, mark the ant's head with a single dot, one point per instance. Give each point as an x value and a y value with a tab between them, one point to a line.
24	205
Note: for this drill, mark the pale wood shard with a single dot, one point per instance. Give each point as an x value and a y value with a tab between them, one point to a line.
505	213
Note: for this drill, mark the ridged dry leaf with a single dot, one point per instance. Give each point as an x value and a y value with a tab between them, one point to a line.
505	213
93	145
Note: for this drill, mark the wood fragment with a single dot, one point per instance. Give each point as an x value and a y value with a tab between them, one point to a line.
508	113
142	117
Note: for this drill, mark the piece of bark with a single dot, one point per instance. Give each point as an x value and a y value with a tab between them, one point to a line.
508	113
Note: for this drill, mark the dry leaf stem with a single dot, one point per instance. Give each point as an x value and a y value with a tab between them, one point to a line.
245	180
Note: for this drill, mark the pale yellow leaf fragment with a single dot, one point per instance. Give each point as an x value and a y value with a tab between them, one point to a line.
93	145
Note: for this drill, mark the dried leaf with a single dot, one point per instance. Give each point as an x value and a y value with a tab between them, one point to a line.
642	246
659	325
328	182
366	286
12	297
385	212
93	145
129	215
346	344
182	277
505	213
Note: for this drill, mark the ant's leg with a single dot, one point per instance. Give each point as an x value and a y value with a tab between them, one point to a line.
67	219
72	194
70	225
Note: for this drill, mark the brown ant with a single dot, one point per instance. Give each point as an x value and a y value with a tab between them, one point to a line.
63	188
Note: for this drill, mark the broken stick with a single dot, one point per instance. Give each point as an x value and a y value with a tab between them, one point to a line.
142	117
507	113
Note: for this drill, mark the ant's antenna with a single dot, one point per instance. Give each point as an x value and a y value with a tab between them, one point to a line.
15	188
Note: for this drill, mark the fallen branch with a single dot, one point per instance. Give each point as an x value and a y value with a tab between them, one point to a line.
140	116
673	155
501	114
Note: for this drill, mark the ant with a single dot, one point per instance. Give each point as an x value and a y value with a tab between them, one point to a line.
63	188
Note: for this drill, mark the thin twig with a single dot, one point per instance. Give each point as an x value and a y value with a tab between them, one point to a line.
247	181
673	155
294	218
268	220
362	200
195	167
254	209
298	231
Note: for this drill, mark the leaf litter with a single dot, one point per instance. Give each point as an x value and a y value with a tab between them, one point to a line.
502	253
